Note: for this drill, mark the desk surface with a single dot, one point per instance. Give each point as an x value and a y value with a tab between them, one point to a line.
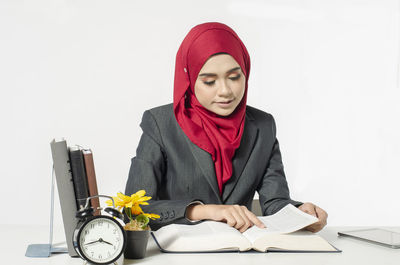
15	240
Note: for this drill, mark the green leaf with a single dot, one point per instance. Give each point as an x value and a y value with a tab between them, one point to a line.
143	220
128	213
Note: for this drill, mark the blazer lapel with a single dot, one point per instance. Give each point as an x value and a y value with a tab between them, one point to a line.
206	164
241	156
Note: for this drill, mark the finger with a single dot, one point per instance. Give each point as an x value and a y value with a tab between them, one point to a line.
240	222
254	219
308	208
248	223
311	228
321	213
314	227
322	216
230	219
312	210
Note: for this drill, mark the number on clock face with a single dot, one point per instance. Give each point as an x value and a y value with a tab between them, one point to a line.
101	240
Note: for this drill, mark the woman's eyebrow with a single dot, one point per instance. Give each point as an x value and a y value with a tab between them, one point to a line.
211	74
234	69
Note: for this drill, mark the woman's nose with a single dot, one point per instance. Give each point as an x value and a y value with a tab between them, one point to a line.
224	90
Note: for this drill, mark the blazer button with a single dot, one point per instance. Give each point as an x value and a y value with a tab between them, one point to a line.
172	214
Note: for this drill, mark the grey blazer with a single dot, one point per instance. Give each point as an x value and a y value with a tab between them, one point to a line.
176	172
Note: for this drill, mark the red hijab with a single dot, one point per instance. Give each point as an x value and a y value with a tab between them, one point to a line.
218	135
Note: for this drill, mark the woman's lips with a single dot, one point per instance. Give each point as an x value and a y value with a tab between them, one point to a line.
225	104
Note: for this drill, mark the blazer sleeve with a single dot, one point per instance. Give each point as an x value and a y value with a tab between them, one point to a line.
147	172
273	189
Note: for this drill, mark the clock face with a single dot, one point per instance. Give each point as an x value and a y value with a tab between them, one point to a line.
101	240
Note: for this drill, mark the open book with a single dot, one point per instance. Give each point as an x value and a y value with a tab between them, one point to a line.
281	235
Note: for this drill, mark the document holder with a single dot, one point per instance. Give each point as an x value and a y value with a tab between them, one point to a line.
45	250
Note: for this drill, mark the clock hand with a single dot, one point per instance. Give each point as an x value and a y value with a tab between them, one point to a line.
108	243
103	241
90	243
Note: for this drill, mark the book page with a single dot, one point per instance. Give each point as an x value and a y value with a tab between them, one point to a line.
206	236
287	220
297	241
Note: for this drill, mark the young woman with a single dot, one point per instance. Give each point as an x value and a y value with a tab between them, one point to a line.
204	156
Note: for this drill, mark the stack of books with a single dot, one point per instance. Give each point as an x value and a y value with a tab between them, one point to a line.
76	181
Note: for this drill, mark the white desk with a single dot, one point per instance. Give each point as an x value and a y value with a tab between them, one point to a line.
14	241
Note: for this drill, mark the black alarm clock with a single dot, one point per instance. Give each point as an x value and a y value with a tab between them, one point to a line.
99	239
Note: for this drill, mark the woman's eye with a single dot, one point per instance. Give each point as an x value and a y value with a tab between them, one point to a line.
209	83
236	77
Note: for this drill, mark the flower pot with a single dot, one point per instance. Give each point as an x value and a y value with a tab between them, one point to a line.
136	244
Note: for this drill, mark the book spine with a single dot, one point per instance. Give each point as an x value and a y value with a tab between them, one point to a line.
65	187
91	179
79	177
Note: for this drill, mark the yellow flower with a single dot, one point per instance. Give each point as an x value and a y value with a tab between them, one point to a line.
132	203
120	201
136	210
139	197
152	216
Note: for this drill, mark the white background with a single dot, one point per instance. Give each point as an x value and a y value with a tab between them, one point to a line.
328	70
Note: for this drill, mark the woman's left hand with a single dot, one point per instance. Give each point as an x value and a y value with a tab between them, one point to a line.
317	212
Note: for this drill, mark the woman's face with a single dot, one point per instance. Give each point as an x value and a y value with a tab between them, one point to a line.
220	84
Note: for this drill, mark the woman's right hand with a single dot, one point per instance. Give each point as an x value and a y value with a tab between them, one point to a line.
236	216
